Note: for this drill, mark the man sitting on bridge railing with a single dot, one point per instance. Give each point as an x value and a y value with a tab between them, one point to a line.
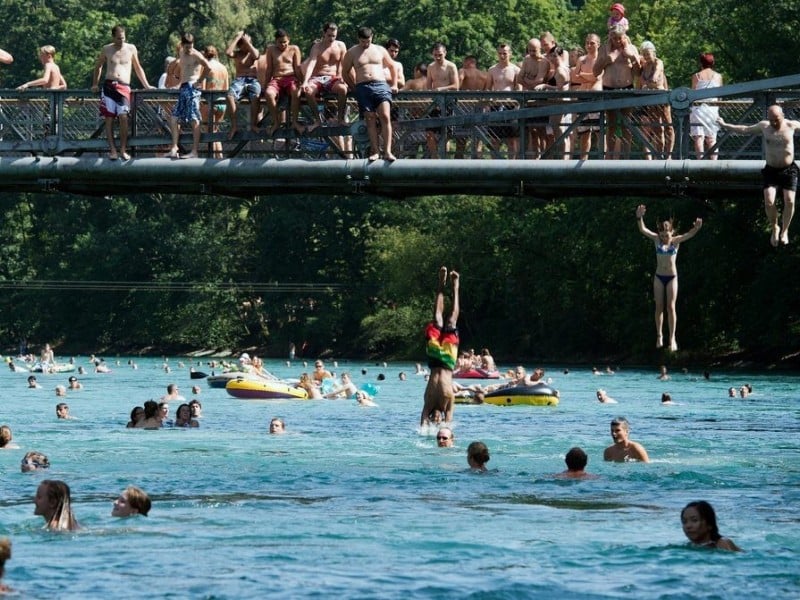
244	56
323	73
780	171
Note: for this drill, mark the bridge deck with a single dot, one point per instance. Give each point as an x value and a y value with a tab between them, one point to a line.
445	125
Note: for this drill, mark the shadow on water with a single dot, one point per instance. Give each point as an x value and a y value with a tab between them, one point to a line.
571	503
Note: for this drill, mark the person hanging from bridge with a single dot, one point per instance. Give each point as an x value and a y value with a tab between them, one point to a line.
780	171
665	281
442	350
118	58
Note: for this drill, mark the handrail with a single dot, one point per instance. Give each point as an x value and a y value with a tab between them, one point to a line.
67	122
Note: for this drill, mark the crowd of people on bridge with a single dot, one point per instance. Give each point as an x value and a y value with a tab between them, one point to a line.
280	77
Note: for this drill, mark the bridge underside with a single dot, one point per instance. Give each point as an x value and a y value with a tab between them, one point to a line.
401	179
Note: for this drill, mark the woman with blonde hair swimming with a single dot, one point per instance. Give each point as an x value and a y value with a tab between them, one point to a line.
665	280
52	501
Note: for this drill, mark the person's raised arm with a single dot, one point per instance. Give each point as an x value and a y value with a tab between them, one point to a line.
230	51
640	211
248	46
5	57
601	62
698	223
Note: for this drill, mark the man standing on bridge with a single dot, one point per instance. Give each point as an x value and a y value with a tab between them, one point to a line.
780	171
118	58
373	91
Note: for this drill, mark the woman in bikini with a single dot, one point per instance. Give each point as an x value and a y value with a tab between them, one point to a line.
666	277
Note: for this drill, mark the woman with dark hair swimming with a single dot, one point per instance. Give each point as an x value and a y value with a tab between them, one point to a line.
700	525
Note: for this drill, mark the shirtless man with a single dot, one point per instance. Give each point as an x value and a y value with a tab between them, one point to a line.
780	171
503	77
392	46
324	74
420	81
559	80
363	70
244	56
618	63
194	70
442	76
624	449
217	78
118	58
533	72
442	351
576	461
583	73
51	79
470	78
282	77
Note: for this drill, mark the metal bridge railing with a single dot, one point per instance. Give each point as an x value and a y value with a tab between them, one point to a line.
632	124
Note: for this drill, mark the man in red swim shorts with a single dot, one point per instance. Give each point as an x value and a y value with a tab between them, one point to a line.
283	75
118	58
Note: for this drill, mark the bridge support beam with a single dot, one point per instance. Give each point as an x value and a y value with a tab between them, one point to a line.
403	178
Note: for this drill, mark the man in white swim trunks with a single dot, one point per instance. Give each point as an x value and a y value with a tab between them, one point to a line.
323	73
118	58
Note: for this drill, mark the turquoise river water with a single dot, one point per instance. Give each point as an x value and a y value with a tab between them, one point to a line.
357	502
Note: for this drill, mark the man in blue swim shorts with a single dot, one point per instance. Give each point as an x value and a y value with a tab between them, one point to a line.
194	70
244	56
373	92
442	349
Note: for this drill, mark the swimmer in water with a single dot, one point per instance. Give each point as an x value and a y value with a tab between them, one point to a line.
623	449
699	523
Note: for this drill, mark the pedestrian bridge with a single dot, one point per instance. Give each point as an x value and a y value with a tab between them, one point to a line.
55	141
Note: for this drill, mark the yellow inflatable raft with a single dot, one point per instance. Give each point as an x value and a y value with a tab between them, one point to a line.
538	394
250	389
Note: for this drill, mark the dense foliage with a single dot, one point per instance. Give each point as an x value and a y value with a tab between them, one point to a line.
560	279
